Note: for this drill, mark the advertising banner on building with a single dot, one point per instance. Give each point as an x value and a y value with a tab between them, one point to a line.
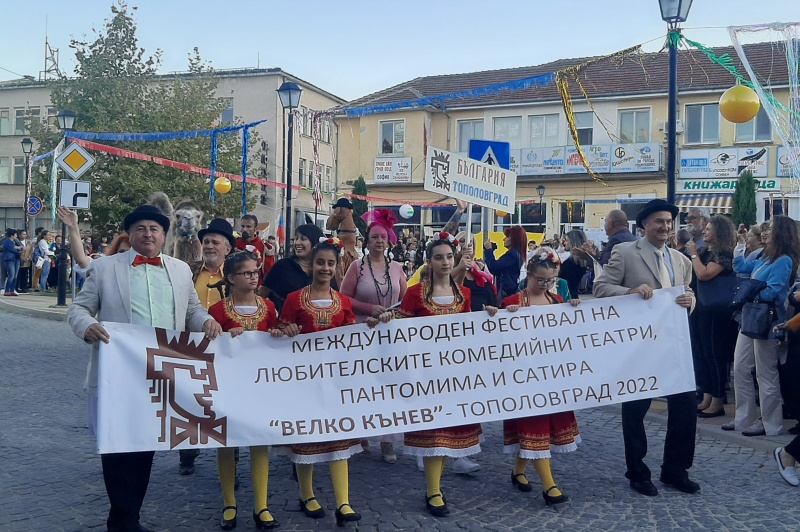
642	157
784	163
162	390
721	186
598	157
392	170
451	174
723	162
614	158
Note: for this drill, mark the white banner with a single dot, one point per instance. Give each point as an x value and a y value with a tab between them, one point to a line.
451	174
392	170
164	390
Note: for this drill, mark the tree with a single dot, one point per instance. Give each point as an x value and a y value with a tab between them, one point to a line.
116	89
744	200
360	206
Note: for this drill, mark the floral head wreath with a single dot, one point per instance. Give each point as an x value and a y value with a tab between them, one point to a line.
541	255
384	218
447	237
333	241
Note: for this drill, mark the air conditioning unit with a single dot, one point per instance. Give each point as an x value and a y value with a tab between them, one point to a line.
663	126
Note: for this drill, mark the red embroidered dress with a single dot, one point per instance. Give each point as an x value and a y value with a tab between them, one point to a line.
452	441
263	319
314	317
537	436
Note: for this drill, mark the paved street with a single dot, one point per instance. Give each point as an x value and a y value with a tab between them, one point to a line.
50	477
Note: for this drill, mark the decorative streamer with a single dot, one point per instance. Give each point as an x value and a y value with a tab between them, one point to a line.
245	145
316	190
213	168
54	179
157	137
42	157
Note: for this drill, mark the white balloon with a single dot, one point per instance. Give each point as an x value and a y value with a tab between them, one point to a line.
406	211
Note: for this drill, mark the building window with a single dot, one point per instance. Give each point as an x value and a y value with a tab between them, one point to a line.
468	130
19	170
584	123
543	131
302	172
5	170
20	116
634	126
702	124
328	174
325	130
309	122
5	122
12	218
509	129
393	137
311	168
52	118
758	129
227	112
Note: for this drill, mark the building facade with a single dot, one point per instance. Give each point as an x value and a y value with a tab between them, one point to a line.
251	95
622	129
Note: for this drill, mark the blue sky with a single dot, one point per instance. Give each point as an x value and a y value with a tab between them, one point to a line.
353	48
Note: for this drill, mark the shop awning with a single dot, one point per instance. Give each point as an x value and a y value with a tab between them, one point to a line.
716	203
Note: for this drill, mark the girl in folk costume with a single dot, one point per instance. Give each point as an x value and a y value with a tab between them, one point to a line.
244	311
316	308
438	294
533	438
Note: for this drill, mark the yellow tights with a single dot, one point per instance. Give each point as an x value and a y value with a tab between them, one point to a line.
259	472
339	477
434	469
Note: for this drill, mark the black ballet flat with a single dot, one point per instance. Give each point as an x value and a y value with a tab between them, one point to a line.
437	511
550	500
706	415
228	524
341	518
313	514
524	487
264	525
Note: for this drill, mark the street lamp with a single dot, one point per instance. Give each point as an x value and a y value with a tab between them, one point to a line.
66	119
290	94
541	190
27	149
673	12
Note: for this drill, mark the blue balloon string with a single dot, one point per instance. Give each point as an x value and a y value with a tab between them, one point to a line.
245	144
213	167
155	137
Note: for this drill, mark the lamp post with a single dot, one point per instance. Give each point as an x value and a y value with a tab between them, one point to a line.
289	93
541	190
27	149
673	12
66	119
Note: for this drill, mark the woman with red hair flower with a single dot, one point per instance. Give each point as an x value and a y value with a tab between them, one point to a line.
506	269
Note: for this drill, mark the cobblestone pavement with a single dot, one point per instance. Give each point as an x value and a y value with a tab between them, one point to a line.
50	477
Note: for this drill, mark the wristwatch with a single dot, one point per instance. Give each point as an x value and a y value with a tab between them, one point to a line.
693	257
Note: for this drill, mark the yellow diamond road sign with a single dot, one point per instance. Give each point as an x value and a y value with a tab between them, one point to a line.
75	161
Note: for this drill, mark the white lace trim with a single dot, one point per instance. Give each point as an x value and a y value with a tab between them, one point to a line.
441	451
538	455
326	457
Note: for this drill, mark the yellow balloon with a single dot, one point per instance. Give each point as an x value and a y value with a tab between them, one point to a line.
222	185
739	104
502	214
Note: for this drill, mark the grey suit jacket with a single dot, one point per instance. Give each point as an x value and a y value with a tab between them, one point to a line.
106	296
633	264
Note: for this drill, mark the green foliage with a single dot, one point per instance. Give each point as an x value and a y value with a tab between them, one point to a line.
360	206
744	200
116	90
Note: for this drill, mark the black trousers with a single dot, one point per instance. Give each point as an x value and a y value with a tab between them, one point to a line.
678	445
126	476
794	448
24	278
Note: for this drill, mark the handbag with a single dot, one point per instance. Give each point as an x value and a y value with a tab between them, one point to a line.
757	320
718	293
39	263
746	291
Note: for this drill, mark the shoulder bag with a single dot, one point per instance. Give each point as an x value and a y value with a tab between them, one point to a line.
757	319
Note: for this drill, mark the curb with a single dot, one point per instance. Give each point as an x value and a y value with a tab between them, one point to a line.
54	315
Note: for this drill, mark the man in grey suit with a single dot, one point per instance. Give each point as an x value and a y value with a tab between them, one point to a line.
641	267
143	287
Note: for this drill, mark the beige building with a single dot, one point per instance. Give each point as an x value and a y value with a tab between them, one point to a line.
623	133
251	95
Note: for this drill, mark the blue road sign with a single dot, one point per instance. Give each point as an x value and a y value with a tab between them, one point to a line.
491	152
34	206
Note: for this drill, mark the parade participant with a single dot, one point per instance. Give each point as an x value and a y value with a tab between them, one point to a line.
118	289
318	307
120	244
640	267
342	222
533	438
717	331
242	310
506	268
373	284
293	273
575	262
469	274
270	254
438	294
776	267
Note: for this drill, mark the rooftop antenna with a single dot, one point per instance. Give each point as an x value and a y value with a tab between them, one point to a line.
51	69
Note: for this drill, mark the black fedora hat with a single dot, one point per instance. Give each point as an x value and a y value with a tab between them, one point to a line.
343	202
146	212
656	205
219	226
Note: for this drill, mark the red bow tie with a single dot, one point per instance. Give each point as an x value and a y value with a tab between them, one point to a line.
155	261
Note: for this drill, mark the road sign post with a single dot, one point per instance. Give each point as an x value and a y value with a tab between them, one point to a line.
493	153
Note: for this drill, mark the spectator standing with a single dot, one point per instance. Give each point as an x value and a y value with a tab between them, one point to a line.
12	249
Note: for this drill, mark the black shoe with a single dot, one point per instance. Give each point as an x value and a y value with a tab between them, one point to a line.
264	525
645	487
228	524
706	415
550	500
437	511
341	518
524	487
313	514
684	484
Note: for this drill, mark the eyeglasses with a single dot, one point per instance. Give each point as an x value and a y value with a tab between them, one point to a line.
544	282
249	275
692	218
